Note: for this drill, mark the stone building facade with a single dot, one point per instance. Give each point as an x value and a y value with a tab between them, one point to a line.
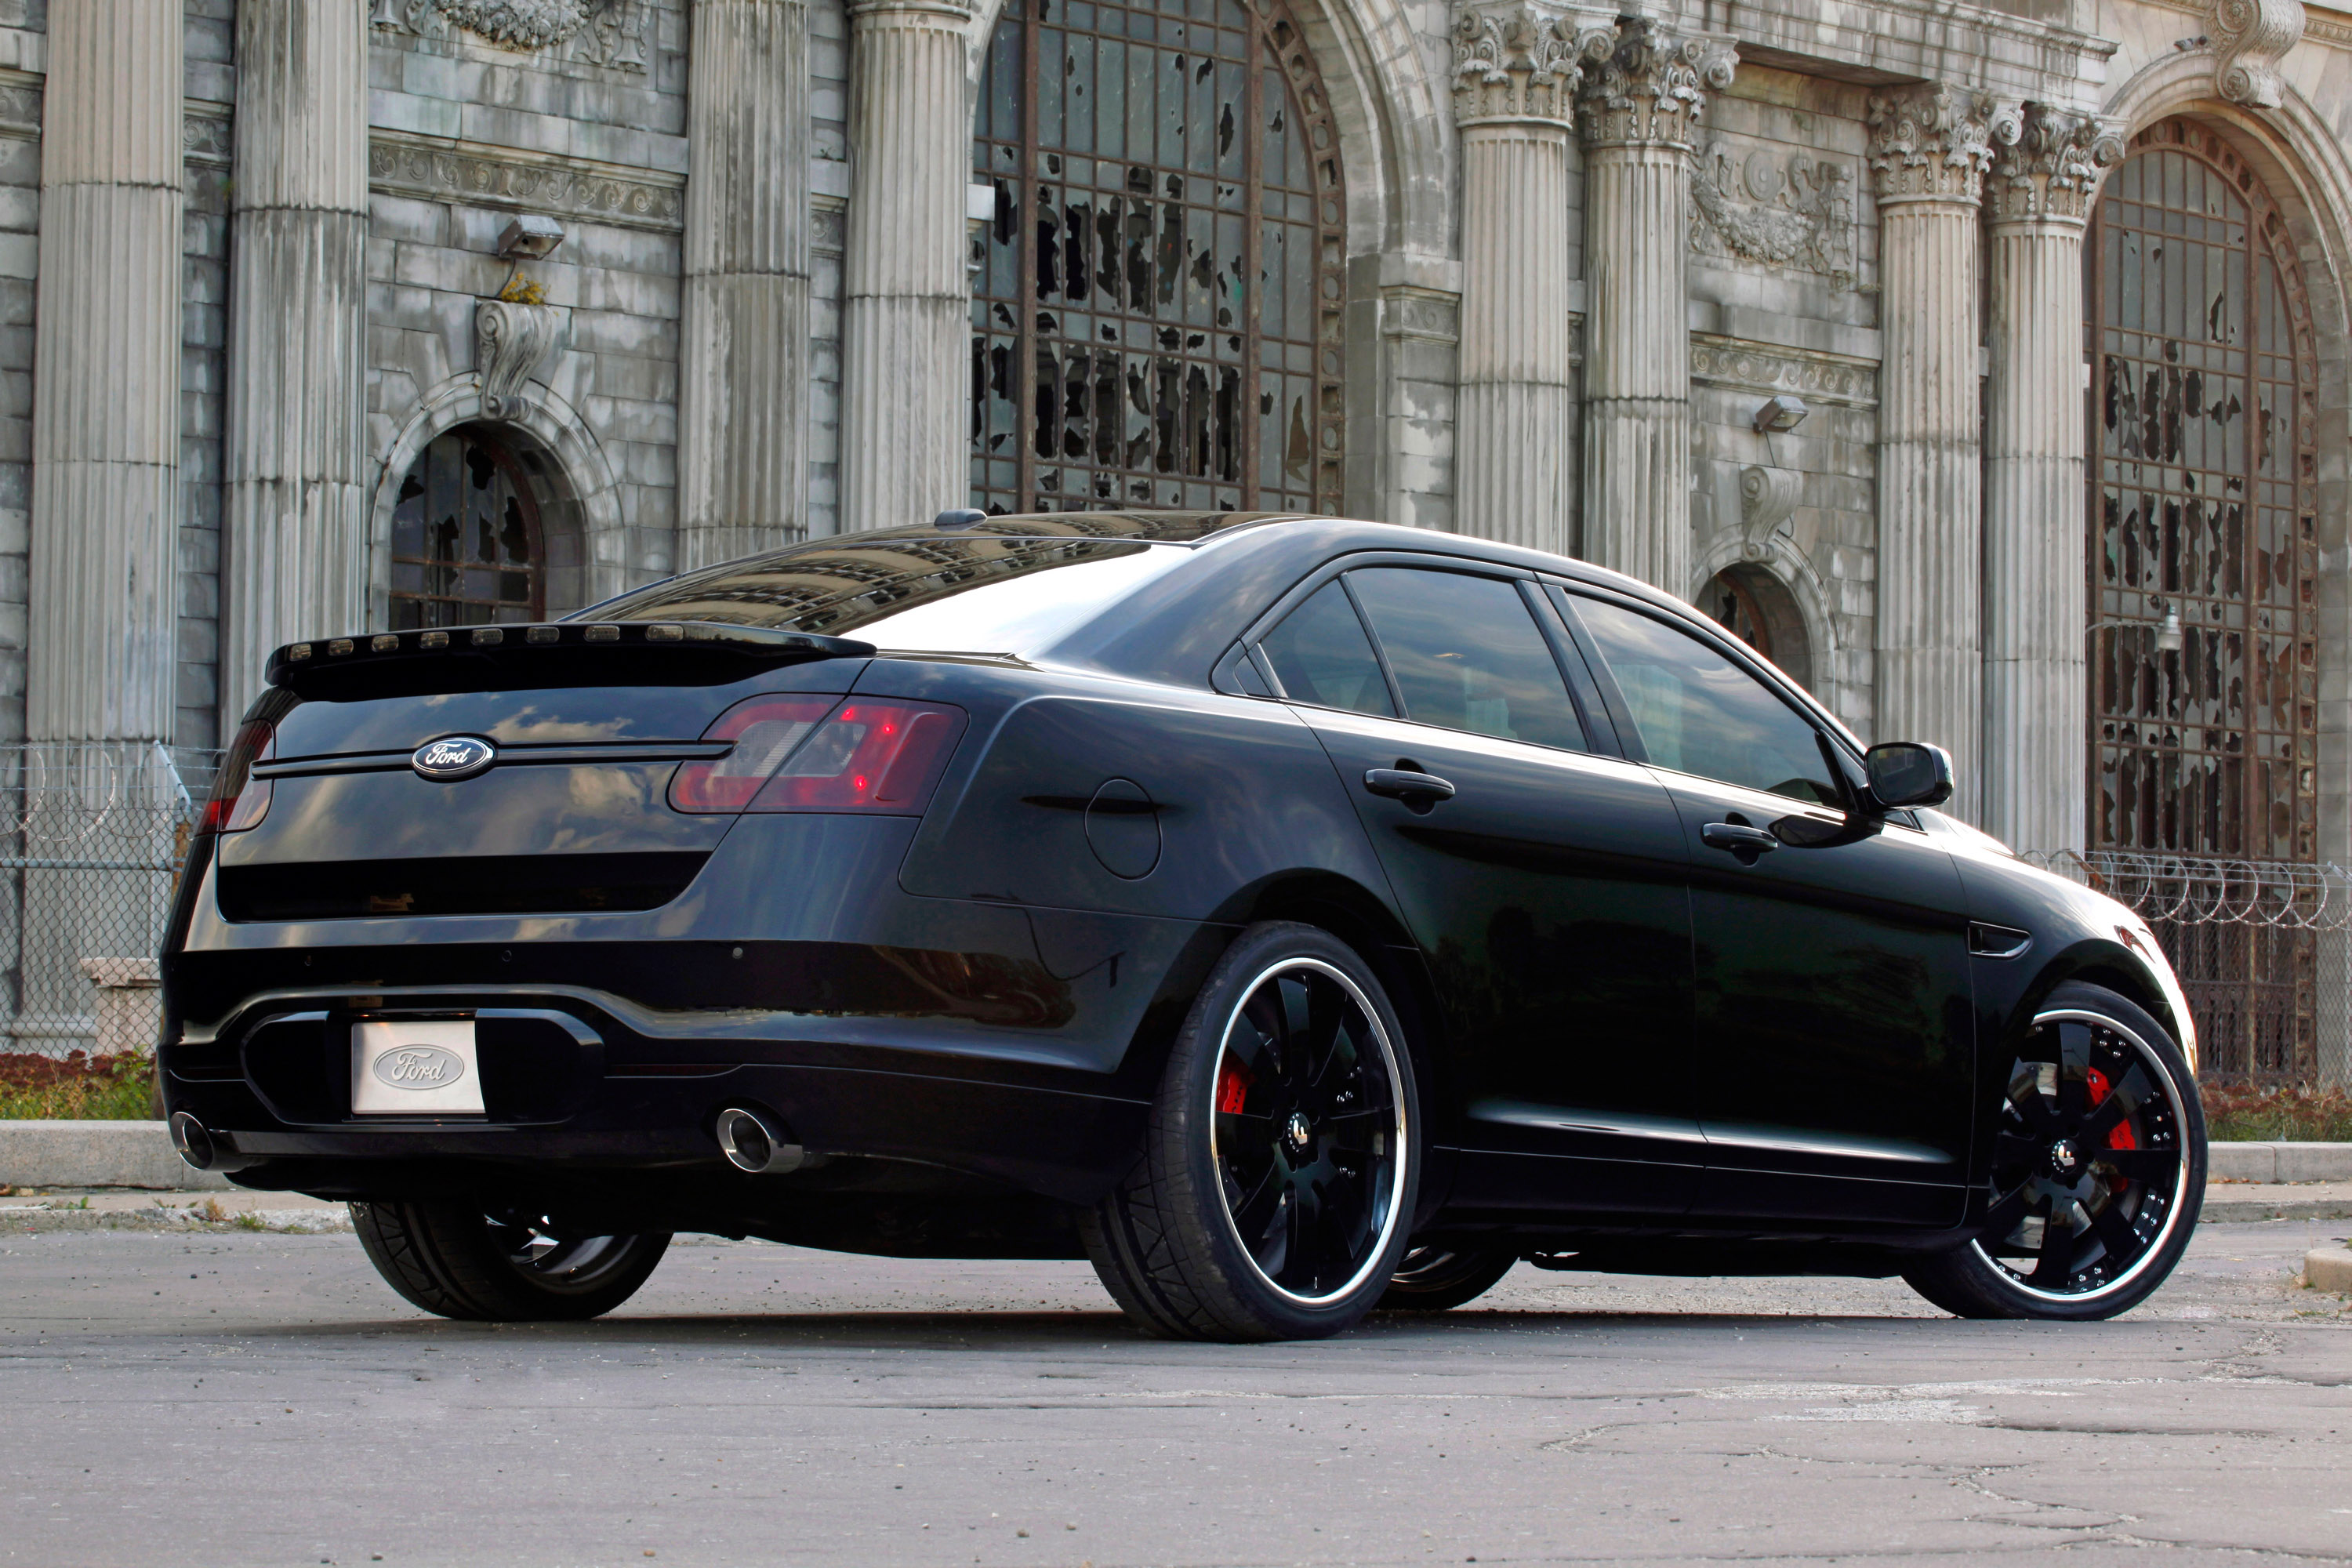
1985	363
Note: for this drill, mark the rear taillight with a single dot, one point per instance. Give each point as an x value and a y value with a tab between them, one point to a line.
822	754
239	800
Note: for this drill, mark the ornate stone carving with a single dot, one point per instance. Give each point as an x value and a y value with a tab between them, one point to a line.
511	341
206	137
1935	142
1781	212
1753	367
1515	61
2053	167
1644	83
1767	498
2250	38
421	169
613	33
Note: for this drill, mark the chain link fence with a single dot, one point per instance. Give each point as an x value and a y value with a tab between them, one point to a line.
2263	949
92	838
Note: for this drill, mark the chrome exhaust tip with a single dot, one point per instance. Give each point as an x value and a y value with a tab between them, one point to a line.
752	1142
195	1145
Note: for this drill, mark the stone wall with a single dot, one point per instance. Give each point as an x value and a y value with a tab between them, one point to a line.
592	134
1783	279
204	364
20	210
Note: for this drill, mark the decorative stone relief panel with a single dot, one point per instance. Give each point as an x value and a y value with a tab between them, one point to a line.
632	199
1776	208
1765	370
616	34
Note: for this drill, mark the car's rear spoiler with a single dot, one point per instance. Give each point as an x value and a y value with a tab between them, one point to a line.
606	653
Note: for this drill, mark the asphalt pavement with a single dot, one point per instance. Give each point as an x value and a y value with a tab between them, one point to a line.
252	1398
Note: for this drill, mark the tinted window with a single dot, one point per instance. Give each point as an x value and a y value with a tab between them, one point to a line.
1322	656
1467	654
1697	712
971	594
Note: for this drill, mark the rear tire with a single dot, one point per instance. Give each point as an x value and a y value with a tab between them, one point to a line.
2099	1169
1286	1116
452	1259
1433	1279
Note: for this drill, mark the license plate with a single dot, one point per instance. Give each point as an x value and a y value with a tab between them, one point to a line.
423	1067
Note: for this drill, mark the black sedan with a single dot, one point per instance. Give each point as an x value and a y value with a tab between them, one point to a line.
1292	916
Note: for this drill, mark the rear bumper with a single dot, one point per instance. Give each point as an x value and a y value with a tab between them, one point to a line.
659	1133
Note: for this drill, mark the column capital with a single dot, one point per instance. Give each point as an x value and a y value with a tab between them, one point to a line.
1933	143
2051	165
1645	84
1515	61
904	13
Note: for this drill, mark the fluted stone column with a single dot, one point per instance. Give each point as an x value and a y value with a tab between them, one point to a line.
906	333
1929	148
296	457
1513	76
742	418
1641	93
106	377
2037	204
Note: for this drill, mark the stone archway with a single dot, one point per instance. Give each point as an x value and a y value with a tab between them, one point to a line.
583	500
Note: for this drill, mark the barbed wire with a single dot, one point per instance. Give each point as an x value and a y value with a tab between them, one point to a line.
2180	889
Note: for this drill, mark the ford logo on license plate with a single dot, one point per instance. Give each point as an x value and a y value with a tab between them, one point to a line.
453	757
420	1067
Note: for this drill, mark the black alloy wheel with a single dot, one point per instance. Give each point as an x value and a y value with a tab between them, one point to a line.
1278	1171
2097	1171
1437	1280
506	1264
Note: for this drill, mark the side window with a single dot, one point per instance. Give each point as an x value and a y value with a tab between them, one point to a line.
1697	712
1321	654
1467	654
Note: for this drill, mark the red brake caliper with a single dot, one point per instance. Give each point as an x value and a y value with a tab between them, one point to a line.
1232	1087
2120	1136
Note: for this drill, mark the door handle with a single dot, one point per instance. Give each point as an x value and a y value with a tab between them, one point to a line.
1739	838
1418	791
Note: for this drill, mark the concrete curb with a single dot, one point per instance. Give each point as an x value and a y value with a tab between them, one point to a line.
2329	1268
2219	1210
140	1154
2279	1162
41	1221
98	1154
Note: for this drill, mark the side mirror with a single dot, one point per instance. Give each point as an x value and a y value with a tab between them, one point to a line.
1905	773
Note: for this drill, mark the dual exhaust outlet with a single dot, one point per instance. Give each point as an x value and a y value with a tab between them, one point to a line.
754	1142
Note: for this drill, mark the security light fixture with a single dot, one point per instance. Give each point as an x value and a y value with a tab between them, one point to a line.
530	238
1780	414
2169	636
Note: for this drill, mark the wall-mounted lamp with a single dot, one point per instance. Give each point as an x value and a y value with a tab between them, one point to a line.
2169	638
530	238
1780	414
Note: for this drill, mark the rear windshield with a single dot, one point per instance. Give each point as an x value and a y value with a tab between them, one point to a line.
973	594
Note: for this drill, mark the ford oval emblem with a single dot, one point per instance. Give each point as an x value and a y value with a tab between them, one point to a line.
420	1067
453	757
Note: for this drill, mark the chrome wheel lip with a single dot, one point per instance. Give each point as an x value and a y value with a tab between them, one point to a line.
2173	1211
1399	1167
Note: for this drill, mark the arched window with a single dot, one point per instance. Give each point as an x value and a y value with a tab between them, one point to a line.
482	532
2202	506
1157	306
1758	608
